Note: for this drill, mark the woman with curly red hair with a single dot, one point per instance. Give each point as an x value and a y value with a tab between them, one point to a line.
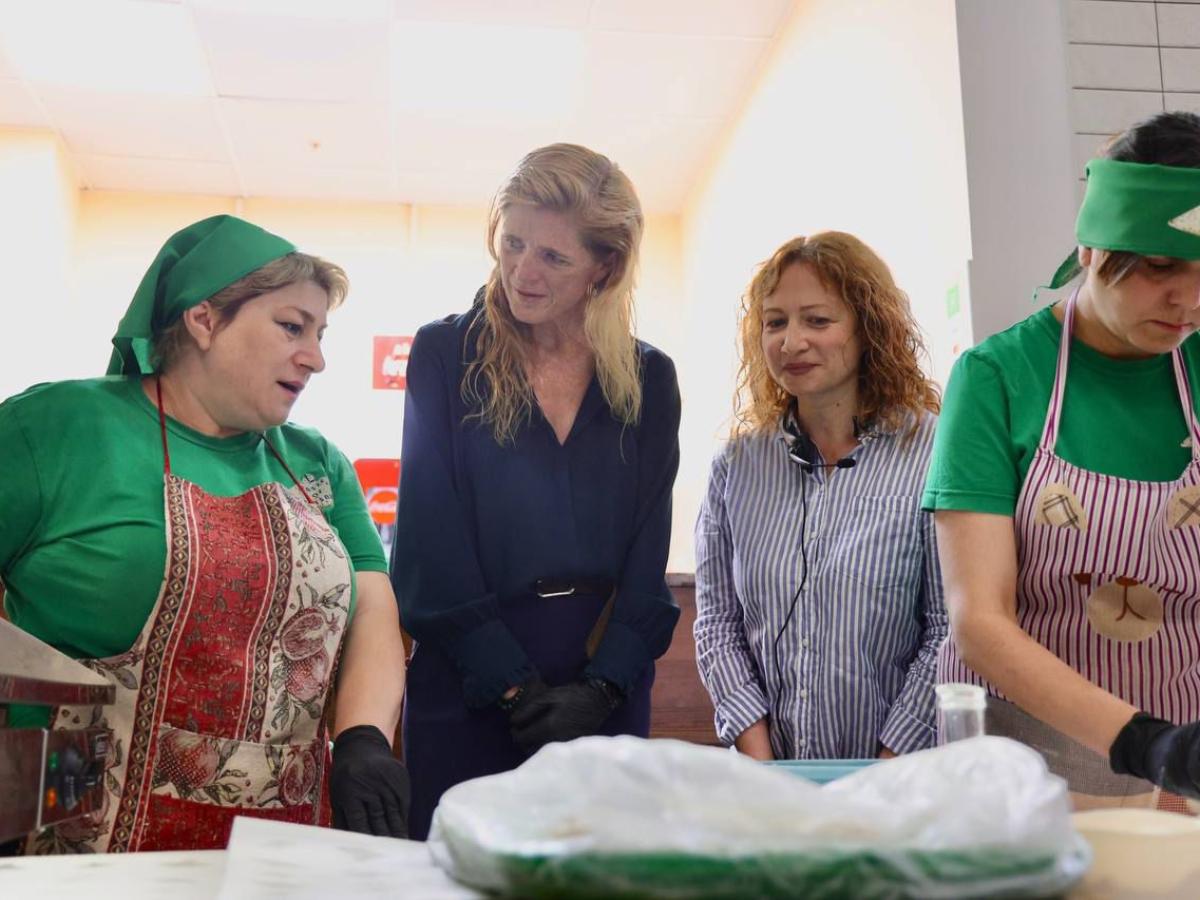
819	602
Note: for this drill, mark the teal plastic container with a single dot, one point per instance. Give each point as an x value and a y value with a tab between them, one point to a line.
821	771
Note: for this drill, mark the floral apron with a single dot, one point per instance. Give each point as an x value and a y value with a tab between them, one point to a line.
1109	582
220	702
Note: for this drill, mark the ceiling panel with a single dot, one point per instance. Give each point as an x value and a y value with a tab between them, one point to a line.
718	18
430	101
446	69
6	68
341	11
114	124
17	106
307	135
117	45
427	144
171	176
295	59
540	13
329	183
648	74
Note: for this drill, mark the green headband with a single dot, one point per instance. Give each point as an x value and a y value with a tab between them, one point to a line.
1150	210
193	265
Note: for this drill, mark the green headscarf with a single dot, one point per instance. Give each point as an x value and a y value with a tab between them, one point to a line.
1140	208
192	265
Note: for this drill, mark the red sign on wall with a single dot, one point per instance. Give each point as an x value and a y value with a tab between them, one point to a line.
390	362
379	478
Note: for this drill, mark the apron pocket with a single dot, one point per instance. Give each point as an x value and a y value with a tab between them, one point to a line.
205	769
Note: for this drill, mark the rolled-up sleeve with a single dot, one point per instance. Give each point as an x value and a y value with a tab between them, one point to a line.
910	723
434	568
644	612
727	667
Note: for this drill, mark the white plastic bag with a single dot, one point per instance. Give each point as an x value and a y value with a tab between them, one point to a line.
625	817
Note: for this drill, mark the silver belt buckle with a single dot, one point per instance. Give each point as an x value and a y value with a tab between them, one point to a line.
544	594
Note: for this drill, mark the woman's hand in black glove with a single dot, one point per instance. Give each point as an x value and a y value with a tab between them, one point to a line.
1154	749
564	713
368	787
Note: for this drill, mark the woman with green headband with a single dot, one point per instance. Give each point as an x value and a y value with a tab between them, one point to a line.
1066	484
168	527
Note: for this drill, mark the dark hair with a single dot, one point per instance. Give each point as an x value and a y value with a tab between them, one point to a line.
1165	139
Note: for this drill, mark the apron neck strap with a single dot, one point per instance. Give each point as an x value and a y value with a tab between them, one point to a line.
162	427
1054	412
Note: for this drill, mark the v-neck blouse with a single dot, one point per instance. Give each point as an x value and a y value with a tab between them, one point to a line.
478	522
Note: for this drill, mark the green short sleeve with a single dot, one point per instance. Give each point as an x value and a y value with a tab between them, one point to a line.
350	517
20	488
974	464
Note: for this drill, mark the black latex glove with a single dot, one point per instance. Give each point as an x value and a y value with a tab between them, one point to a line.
368	787
564	713
1166	754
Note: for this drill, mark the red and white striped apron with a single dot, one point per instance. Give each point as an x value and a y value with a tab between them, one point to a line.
1109	582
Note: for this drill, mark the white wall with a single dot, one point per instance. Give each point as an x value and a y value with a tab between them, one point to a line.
37	220
855	125
1018	153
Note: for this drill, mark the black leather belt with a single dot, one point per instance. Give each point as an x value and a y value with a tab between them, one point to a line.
566	587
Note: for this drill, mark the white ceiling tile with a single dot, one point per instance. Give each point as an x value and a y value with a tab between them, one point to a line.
293	58
341	11
17	106
293	135
329	183
6	68
666	75
718	18
539	13
148	125
169	176
118	45
474	144
444	69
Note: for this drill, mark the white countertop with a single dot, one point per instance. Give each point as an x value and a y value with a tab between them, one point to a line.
264	860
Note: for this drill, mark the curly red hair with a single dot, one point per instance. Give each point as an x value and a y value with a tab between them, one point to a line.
891	384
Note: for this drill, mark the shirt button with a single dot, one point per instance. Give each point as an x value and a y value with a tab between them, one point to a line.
803	693
804	643
802	742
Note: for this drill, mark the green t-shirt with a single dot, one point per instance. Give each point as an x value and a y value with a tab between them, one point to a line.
82	530
1120	417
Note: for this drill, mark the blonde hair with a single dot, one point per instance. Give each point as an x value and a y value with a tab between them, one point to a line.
578	182
891	384
290	269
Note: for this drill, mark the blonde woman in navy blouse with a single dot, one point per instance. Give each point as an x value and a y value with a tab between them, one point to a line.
819	602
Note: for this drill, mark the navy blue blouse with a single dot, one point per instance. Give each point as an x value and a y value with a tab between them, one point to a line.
478	522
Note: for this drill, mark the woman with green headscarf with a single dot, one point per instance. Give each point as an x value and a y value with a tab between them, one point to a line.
1066	484
170	528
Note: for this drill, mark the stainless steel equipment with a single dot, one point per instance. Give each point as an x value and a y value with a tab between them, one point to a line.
47	776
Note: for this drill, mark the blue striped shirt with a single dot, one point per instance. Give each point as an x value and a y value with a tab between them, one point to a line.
859	655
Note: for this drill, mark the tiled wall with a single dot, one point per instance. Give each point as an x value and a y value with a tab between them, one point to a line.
1128	59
